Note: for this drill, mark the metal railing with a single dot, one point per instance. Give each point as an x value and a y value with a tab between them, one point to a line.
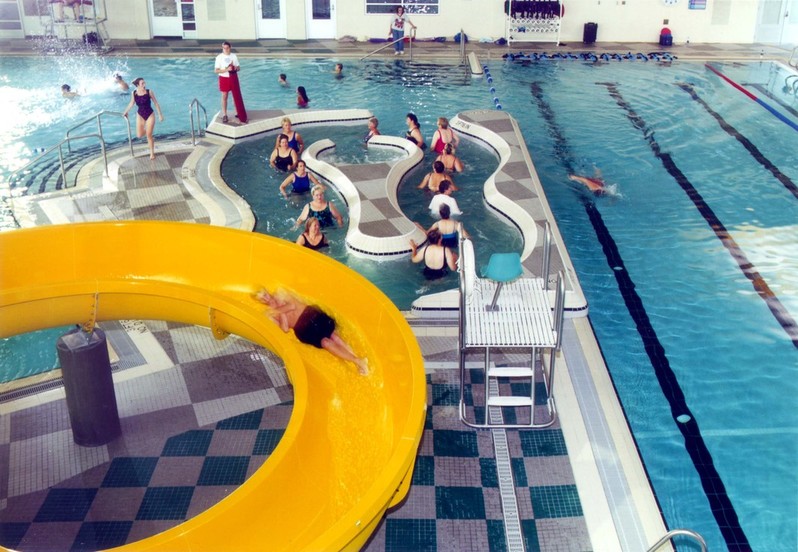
462	47
193	107
68	139
98	118
381	48
669	536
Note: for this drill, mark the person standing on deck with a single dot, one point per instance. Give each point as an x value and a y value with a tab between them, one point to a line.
397	32
225	62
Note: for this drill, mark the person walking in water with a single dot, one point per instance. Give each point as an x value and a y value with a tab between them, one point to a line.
311	325
397	32
144	99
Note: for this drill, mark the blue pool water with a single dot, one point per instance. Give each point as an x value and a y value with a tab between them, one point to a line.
670	305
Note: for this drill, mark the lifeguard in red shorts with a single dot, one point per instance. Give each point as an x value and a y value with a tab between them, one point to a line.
226	64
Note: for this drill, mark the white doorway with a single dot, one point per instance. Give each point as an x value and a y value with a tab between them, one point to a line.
321	18
173	18
271	18
777	22
165	16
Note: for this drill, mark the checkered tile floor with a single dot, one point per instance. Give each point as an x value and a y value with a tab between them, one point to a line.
168	467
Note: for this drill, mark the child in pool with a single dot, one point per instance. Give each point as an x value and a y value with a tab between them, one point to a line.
302	99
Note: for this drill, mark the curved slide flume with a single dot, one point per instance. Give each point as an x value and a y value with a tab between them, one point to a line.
349	448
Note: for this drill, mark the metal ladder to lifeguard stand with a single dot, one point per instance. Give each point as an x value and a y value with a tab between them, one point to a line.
513	314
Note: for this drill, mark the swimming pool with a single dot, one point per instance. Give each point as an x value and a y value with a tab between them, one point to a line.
716	340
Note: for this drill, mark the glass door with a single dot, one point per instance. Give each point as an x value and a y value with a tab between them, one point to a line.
321	18
165	18
188	19
271	18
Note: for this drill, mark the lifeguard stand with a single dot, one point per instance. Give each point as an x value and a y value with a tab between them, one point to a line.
83	22
506	312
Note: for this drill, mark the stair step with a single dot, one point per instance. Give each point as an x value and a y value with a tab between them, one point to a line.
510	372
510	401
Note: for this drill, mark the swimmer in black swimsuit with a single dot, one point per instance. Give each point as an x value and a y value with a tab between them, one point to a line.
311	325
283	157
414	131
312	238
145	122
436	257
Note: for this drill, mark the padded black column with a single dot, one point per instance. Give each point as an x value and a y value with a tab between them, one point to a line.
89	387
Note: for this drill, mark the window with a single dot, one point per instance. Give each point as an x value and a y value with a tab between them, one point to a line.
423	7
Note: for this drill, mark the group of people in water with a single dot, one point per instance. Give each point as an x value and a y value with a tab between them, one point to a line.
437	252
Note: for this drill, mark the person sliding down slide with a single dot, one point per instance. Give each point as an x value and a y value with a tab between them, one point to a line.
311	325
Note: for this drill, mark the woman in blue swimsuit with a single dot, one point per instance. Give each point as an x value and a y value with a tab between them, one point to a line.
300	180
145	122
295	141
321	209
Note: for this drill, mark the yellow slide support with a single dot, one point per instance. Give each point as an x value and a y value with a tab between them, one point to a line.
349	448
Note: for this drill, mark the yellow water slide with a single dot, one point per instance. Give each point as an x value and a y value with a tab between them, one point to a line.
349	449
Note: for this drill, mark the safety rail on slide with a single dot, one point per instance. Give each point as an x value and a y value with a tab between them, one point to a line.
193	107
670	535
409	48
68	142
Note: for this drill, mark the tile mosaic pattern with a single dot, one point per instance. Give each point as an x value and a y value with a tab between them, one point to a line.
150	482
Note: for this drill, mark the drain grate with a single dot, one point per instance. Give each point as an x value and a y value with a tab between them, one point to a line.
504	470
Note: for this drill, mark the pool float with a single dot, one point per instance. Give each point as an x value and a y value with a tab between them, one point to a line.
348	451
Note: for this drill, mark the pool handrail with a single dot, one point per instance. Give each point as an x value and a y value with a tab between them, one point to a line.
59	146
68	141
669	536
98	117
196	105
381	48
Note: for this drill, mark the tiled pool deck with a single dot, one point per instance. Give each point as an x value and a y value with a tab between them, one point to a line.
200	415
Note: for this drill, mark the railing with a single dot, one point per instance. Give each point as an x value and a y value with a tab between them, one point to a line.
381	48
68	141
98	118
195	106
791	87
462	47
669	536
793	61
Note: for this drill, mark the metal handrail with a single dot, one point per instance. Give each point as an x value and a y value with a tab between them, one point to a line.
791	87
59	147
462	47
195	105
680	533
68	141
381	48
98	118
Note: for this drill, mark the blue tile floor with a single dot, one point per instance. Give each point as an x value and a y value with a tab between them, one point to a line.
151	481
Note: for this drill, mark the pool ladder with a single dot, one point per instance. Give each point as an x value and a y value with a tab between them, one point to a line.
670	535
194	107
99	135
